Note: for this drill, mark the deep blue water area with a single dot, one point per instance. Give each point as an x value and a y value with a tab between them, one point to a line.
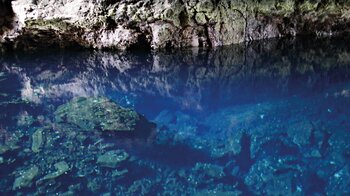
262	118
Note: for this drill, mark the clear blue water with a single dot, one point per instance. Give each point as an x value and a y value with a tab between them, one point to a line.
264	118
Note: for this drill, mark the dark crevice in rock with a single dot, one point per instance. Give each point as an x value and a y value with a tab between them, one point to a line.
6	8
325	144
6	16
109	2
244	158
312	139
200	43
42	39
110	23
168	46
142	44
206	31
279	148
183	17
316	184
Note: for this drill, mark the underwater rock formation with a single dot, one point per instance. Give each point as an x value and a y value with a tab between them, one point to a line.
166	24
264	118
26	178
97	113
37	140
61	168
275	177
112	158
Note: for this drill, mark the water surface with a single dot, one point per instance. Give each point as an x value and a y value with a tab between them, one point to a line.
264	118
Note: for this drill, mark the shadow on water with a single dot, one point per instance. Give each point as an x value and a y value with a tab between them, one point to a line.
316	185
244	159
176	156
278	148
142	144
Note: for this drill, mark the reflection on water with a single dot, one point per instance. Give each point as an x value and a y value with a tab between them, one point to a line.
269	117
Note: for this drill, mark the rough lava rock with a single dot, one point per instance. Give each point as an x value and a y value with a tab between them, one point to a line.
165	24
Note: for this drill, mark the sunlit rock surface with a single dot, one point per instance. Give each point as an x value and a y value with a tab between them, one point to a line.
166	24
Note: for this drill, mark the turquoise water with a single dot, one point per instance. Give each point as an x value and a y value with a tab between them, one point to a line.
264	118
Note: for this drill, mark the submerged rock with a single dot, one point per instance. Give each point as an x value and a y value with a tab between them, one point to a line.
117	173
10	146
61	168
275	176
3	149
37	140
339	182
26	178
97	113
140	187
94	185
25	120
300	132
209	170
112	158
215	192
203	174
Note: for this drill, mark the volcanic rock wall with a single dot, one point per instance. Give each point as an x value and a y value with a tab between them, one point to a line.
168	23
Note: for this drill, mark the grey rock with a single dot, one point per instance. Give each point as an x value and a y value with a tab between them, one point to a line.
160	24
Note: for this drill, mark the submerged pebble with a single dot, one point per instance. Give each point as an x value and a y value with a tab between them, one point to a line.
61	168
112	158
25	178
37	140
117	173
